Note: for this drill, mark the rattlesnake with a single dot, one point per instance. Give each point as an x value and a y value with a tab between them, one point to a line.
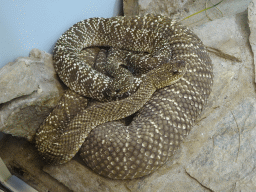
113	149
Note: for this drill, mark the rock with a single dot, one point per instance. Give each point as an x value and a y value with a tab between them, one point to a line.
252	21
142	7
221	156
130	7
81	178
227	160
22	160
30	90
13	78
179	10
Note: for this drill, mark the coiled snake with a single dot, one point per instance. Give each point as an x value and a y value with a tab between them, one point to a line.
169	55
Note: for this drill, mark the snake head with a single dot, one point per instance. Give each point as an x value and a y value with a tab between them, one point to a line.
167	73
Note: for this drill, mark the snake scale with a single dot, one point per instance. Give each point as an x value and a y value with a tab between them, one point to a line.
166	51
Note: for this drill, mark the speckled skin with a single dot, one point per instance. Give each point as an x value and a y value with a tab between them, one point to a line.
112	149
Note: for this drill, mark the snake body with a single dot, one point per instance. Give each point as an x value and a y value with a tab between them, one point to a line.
113	149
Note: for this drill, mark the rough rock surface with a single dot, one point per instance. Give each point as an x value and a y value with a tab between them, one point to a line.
30	90
220	152
252	24
22	160
180	9
141	7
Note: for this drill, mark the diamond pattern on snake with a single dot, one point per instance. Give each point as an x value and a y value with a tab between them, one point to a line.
150	67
